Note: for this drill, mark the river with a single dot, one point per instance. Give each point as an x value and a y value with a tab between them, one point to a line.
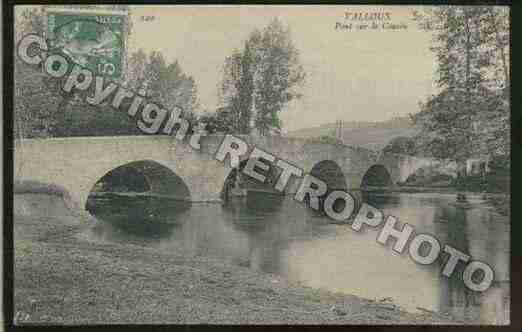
279	235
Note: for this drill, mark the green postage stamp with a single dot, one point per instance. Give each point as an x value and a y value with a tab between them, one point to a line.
91	40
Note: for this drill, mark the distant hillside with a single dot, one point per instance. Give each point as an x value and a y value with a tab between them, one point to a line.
369	135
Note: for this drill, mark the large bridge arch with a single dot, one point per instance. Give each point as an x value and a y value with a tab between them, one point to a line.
331	173
155	177
377	176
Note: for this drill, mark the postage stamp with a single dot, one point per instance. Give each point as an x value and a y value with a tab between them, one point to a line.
93	41
261	164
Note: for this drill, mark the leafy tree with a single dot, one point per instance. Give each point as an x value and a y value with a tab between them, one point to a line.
278	74
236	91
260	80
162	82
469	115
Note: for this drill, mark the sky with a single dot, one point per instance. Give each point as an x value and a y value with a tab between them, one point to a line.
352	75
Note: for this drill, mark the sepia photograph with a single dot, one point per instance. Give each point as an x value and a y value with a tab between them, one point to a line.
260	164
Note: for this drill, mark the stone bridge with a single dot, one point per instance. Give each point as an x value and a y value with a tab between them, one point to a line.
173	168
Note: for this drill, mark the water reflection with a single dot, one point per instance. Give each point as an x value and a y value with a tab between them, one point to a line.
476	228
276	234
139	216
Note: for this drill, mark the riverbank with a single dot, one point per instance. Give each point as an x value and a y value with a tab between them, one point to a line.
66	275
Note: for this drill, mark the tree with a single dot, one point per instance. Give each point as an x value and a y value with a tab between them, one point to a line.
163	83
260	80
278	74
236	90
469	115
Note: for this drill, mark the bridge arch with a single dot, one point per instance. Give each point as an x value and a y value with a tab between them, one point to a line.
143	176
331	173
377	175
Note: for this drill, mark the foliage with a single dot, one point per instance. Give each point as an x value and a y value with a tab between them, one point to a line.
35	95
218	122
469	115
237	91
162	82
401	145
259	81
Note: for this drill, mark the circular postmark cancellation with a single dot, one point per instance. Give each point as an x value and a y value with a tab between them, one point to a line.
94	41
369	21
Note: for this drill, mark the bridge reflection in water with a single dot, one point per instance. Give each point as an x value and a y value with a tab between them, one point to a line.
142	198
276	234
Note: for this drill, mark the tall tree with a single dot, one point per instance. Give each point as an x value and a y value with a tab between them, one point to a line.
164	83
277	77
472	80
236	91
260	80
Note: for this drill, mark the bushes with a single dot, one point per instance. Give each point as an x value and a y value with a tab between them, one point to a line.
496	180
428	178
401	145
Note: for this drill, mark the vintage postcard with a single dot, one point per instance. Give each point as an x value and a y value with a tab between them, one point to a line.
256	164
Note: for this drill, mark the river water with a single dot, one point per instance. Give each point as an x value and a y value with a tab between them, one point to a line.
279	235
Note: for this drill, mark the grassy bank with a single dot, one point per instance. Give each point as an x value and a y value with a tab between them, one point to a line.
66	275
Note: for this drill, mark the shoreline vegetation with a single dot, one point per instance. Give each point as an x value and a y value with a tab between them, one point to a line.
67	275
